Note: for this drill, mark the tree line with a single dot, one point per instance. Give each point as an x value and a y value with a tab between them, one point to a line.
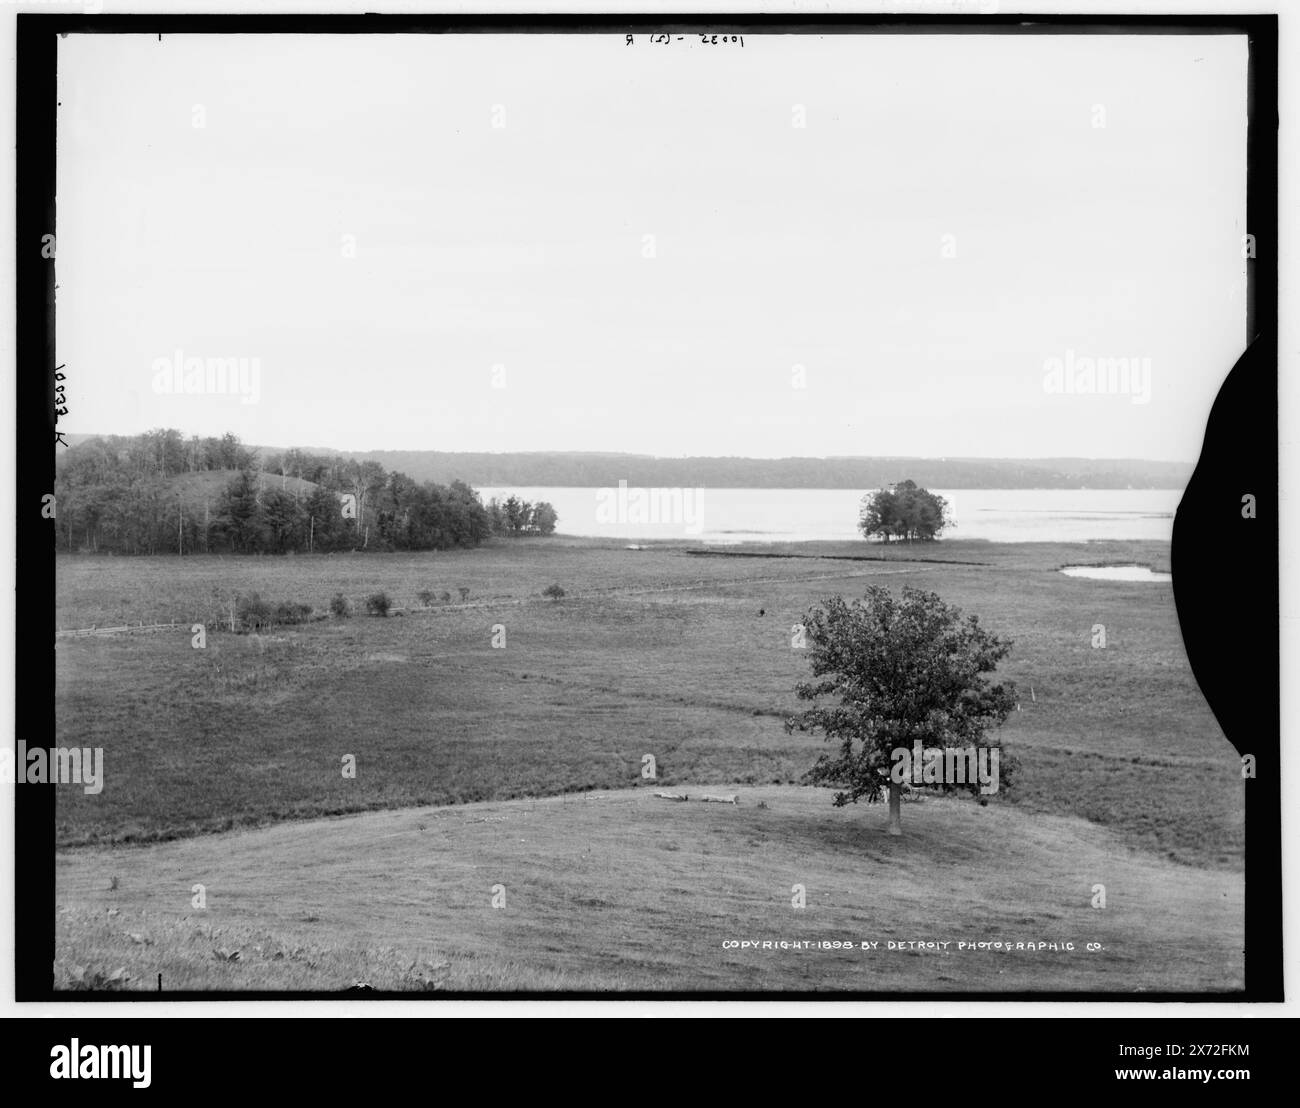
575	469
137	495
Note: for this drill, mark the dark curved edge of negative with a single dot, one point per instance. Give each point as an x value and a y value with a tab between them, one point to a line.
1225	583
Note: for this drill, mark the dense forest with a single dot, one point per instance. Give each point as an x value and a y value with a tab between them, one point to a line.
160	493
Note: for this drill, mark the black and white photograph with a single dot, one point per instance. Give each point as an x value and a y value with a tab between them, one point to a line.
561	507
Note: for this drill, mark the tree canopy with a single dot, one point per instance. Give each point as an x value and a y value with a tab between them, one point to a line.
513	517
159	493
890	672
904	511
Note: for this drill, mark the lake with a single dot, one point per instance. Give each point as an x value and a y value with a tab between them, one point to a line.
799	515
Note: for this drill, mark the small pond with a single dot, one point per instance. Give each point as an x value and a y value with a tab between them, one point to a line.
1117	573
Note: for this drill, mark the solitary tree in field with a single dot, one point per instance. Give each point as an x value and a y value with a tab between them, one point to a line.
889	672
553	591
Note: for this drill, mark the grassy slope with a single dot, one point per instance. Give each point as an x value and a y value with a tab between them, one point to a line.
206	486
625	891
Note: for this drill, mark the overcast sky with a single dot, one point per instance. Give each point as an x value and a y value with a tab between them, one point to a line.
439	242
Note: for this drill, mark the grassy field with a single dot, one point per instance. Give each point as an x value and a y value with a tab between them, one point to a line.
650	652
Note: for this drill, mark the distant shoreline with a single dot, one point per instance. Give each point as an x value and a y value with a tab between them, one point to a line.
593	469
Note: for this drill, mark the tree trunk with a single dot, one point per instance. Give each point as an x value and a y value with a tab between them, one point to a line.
895	808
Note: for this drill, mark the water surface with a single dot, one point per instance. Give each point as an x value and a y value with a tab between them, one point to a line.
1117	573
802	515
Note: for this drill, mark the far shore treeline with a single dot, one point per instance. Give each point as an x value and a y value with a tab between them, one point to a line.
592	470
160	493
572	469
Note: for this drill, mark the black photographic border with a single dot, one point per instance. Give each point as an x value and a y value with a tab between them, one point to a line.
1240	455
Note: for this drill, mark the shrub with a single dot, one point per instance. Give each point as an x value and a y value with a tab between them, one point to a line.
427	597
553	591
254	612
287	613
340	606
446	597
464	593
377	604
87	978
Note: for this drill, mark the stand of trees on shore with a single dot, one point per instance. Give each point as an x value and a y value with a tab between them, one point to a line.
518	517
904	511
159	493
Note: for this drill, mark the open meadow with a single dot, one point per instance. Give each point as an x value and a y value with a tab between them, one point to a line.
532	717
